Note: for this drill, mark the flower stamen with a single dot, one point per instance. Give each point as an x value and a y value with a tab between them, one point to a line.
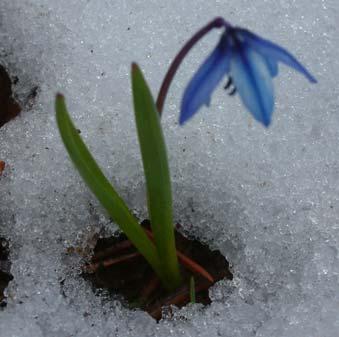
230	85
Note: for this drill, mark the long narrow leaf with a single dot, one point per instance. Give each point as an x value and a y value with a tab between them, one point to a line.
157	175
102	189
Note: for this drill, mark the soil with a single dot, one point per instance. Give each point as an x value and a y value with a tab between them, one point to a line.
2	167
5	275
9	108
117	266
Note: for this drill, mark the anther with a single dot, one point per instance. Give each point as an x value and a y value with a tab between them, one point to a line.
230	85
233	92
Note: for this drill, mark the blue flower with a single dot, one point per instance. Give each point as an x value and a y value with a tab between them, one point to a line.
251	62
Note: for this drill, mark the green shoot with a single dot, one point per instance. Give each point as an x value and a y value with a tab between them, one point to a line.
158	183
192	290
105	193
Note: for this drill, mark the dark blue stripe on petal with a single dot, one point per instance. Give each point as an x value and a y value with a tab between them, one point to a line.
203	83
271	50
253	81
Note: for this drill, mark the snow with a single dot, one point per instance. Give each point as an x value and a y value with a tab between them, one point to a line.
268	199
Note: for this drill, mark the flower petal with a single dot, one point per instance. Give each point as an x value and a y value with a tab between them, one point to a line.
205	80
272	66
271	50
252	78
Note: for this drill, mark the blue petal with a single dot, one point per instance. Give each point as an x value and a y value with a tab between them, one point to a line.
271	50
272	66
205	80
252	78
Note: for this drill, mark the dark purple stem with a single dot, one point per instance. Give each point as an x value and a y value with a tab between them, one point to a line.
218	22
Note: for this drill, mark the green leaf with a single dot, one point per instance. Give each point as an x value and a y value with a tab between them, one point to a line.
192	290
154	157
102	189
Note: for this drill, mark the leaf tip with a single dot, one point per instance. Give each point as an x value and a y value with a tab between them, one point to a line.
59	104
135	67
59	96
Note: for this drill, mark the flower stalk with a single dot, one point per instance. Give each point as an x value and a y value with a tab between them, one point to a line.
218	22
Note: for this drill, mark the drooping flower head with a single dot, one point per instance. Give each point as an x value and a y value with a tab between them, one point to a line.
250	62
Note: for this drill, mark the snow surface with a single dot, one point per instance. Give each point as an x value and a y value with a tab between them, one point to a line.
268	199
